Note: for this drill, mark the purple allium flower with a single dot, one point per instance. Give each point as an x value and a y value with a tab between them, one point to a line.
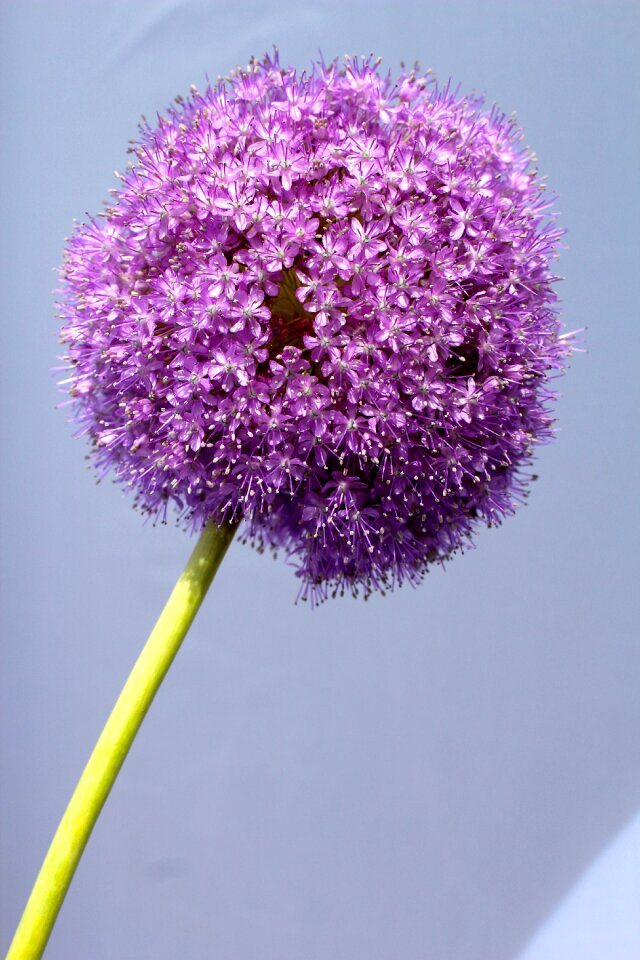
322	304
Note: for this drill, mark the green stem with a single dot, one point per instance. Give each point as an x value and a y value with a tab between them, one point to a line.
111	749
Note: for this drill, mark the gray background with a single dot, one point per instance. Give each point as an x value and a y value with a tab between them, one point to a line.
421	776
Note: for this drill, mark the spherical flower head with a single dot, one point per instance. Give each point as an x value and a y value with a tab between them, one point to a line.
322	304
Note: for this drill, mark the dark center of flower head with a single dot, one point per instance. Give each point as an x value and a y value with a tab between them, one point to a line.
322	303
289	319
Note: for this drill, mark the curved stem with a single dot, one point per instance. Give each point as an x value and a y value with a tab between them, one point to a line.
115	740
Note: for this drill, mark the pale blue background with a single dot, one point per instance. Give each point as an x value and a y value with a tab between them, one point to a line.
424	776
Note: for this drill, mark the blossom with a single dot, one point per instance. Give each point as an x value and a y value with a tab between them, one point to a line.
322	304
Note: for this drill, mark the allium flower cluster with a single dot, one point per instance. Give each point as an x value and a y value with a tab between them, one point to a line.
322	304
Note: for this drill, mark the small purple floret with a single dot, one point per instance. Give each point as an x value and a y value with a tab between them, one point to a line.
323	304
